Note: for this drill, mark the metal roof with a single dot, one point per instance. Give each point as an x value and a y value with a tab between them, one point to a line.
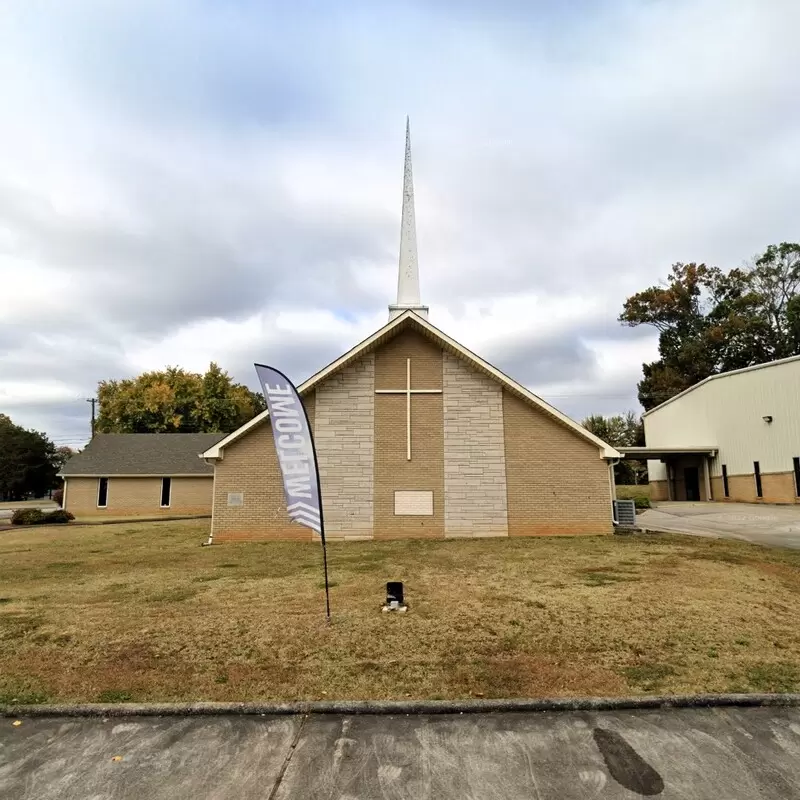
657	453
719	375
138	454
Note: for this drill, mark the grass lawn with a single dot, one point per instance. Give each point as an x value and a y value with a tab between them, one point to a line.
629	492
142	612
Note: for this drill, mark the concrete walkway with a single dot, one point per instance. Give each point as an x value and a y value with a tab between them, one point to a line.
702	754
778	526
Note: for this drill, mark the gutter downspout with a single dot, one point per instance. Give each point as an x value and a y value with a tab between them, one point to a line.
613	488
213	500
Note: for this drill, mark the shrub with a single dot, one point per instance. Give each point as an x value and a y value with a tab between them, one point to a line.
27	516
641	501
32	516
59	515
58	496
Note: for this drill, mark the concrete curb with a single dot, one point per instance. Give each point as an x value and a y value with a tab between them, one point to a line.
398	707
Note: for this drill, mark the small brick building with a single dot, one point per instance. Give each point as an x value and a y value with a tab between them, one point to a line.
140	474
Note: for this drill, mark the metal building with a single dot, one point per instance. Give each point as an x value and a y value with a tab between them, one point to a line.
733	436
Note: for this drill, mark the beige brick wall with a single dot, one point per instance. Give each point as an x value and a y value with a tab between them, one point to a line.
474	452
251	467
510	468
345	438
139	497
425	471
659	490
778	487
557	481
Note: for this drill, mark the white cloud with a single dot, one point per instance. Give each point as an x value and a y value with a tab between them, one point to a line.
207	182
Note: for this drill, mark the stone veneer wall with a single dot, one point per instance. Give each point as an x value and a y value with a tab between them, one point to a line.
474	452
345	440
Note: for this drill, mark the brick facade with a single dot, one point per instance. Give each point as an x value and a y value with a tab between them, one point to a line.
777	487
474	452
495	464
139	497
251	467
557	482
659	490
393	470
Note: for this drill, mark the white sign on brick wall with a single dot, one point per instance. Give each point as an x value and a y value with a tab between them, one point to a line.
413	503
235	498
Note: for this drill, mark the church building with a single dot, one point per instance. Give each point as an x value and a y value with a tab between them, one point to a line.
416	436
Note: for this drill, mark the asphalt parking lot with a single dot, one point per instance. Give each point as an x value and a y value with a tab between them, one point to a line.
777	526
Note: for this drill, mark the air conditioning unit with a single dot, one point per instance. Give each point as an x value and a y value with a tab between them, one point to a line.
624	513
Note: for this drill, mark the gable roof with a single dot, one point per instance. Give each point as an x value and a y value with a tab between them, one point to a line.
410	319
719	375
138	454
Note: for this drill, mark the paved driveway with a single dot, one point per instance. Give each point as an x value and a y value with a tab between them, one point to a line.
770	525
697	754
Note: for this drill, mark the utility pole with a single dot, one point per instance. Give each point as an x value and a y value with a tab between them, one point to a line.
93	401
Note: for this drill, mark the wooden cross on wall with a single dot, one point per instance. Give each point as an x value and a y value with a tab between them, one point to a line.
408	391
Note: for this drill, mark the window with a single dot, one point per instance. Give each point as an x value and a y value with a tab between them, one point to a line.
102	492
796	462
235	499
725	489
757	473
166	490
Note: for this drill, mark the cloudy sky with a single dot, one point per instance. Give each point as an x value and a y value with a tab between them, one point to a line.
201	180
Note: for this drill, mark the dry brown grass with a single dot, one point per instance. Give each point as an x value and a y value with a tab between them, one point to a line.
142	612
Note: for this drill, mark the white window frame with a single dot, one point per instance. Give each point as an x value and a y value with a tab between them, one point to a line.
98	493
161	496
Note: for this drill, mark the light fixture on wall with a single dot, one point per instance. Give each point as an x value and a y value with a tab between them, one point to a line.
767	418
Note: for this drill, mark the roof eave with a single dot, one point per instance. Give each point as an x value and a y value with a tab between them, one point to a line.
606	451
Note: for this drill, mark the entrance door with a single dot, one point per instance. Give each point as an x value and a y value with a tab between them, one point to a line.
691	479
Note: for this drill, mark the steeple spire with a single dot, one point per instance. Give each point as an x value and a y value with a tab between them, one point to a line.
408	270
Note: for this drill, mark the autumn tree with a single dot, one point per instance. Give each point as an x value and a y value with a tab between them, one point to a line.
28	462
621	430
176	401
710	321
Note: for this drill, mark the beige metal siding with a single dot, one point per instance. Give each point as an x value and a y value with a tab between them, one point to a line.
728	412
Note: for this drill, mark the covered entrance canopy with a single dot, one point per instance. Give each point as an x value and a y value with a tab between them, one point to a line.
688	472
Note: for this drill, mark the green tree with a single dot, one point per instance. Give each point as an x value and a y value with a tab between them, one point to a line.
710	321
174	400
621	430
28	462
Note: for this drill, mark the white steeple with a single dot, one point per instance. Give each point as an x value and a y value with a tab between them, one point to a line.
408	271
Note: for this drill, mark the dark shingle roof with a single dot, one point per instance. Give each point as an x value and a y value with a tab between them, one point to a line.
143	454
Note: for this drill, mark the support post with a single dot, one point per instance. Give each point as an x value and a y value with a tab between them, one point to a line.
707	478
